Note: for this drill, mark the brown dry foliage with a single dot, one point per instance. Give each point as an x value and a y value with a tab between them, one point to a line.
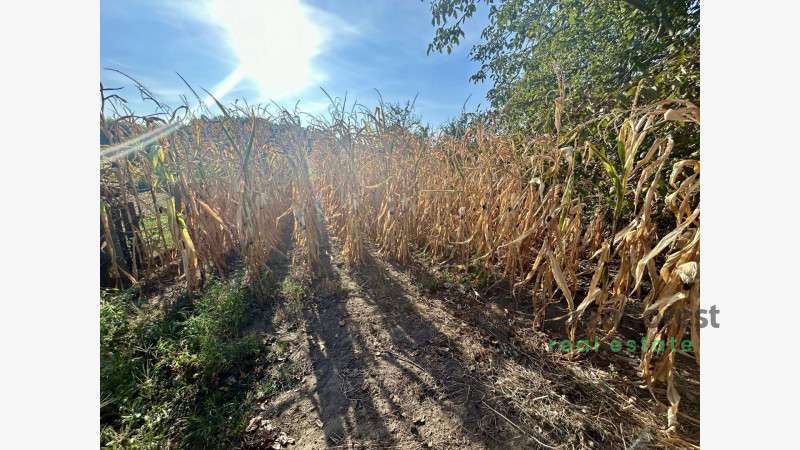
525	209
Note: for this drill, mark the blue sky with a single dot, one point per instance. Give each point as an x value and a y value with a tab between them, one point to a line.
285	50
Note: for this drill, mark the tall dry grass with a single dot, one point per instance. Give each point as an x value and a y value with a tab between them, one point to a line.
565	222
229	184
528	210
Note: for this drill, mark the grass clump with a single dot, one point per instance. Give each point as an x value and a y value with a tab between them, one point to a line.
150	229
480	277
176	378
290	312
433	282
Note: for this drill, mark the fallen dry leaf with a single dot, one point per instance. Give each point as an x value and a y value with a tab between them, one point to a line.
253	425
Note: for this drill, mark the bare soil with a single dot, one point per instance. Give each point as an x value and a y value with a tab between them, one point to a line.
385	363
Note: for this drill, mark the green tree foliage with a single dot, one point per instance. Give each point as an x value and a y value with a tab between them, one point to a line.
403	116
603	49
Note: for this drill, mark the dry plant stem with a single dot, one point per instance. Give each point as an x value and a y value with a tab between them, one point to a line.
491	206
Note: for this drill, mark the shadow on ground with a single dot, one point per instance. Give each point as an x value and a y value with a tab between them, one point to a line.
391	367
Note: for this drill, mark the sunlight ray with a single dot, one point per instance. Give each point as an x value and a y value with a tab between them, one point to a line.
140	142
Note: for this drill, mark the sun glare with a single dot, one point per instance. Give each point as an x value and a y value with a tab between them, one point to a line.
274	41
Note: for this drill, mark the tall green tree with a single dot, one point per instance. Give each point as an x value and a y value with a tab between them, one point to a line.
603	49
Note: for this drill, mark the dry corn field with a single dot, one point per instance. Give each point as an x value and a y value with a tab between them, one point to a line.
580	233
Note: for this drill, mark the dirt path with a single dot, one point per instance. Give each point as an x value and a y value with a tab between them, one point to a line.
387	366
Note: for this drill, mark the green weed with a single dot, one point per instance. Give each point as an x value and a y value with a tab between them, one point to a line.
167	379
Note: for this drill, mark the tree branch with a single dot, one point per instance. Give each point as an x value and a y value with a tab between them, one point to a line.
640	5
